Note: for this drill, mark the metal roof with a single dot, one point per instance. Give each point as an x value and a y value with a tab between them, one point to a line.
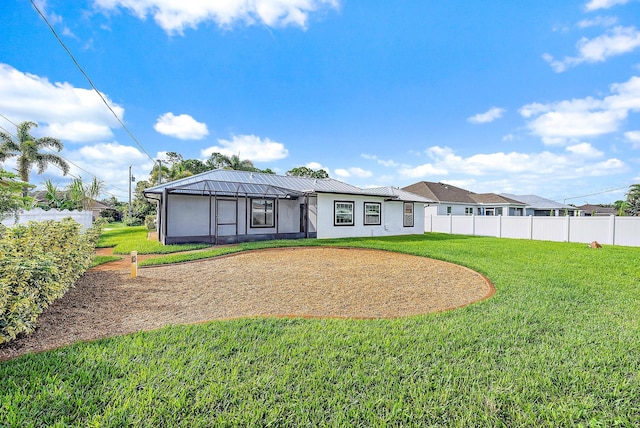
256	184
395	193
538	202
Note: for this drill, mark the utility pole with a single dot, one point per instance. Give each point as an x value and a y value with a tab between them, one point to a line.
130	180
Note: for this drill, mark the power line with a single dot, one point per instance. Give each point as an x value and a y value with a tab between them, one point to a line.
594	194
90	81
8	120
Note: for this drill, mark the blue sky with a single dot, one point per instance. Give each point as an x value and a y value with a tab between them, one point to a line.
529	97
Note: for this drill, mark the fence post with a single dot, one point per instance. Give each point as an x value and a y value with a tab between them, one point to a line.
530	226
568	228
612	228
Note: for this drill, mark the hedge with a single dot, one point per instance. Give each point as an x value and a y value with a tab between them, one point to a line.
38	263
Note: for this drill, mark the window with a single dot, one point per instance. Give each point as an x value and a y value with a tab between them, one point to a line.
372	213
448	210
408	214
343	213
468	211
262	213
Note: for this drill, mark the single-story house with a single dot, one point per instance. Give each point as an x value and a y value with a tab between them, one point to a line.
227	206
539	206
589	210
452	200
96	207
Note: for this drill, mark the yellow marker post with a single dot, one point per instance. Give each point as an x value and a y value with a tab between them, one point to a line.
134	264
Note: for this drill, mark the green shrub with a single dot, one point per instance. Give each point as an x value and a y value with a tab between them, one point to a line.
133	221
38	263
150	222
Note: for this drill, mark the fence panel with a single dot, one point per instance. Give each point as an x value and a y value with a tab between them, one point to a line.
487	226
516	227
462	225
440	223
627	231
589	229
85	218
610	230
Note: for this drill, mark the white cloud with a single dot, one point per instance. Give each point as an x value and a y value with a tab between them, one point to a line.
585	150
173	16
634	138
598	21
63	111
390	163
110	162
489	116
573	163
182	126
249	147
603	4
353	171
316	166
559	122
617	41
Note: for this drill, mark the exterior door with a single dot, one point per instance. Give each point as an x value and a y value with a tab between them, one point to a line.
226	218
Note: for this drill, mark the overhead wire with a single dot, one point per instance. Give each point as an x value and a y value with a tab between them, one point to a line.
135	140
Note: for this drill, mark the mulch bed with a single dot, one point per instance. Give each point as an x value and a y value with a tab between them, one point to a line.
305	282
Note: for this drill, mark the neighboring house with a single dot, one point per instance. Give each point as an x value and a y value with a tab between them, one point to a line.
96	206
597	210
452	200
538	206
226	206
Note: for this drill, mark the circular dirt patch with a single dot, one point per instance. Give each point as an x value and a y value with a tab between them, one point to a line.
306	282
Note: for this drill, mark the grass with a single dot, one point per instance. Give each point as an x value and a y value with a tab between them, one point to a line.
556	346
99	260
127	239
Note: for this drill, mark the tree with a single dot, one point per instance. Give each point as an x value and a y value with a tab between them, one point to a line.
633	200
27	150
11	199
220	161
303	171
621	207
76	196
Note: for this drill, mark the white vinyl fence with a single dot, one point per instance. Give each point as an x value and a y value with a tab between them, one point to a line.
609	230
85	218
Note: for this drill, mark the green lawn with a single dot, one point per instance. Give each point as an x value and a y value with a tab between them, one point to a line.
558	345
134	238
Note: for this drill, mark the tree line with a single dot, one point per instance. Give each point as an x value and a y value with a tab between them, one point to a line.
29	152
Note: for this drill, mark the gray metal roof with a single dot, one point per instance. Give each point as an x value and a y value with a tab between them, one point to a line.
395	193
231	182
537	202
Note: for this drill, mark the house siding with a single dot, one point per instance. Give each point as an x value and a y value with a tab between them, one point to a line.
391	224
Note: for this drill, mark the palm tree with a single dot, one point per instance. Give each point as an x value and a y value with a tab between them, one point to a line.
27	150
220	161
633	200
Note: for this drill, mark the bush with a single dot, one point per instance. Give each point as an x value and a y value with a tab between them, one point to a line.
38	263
133	221
150	222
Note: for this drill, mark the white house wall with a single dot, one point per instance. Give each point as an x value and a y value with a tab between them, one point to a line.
392	218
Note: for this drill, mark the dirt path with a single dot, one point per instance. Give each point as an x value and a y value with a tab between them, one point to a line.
309	282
